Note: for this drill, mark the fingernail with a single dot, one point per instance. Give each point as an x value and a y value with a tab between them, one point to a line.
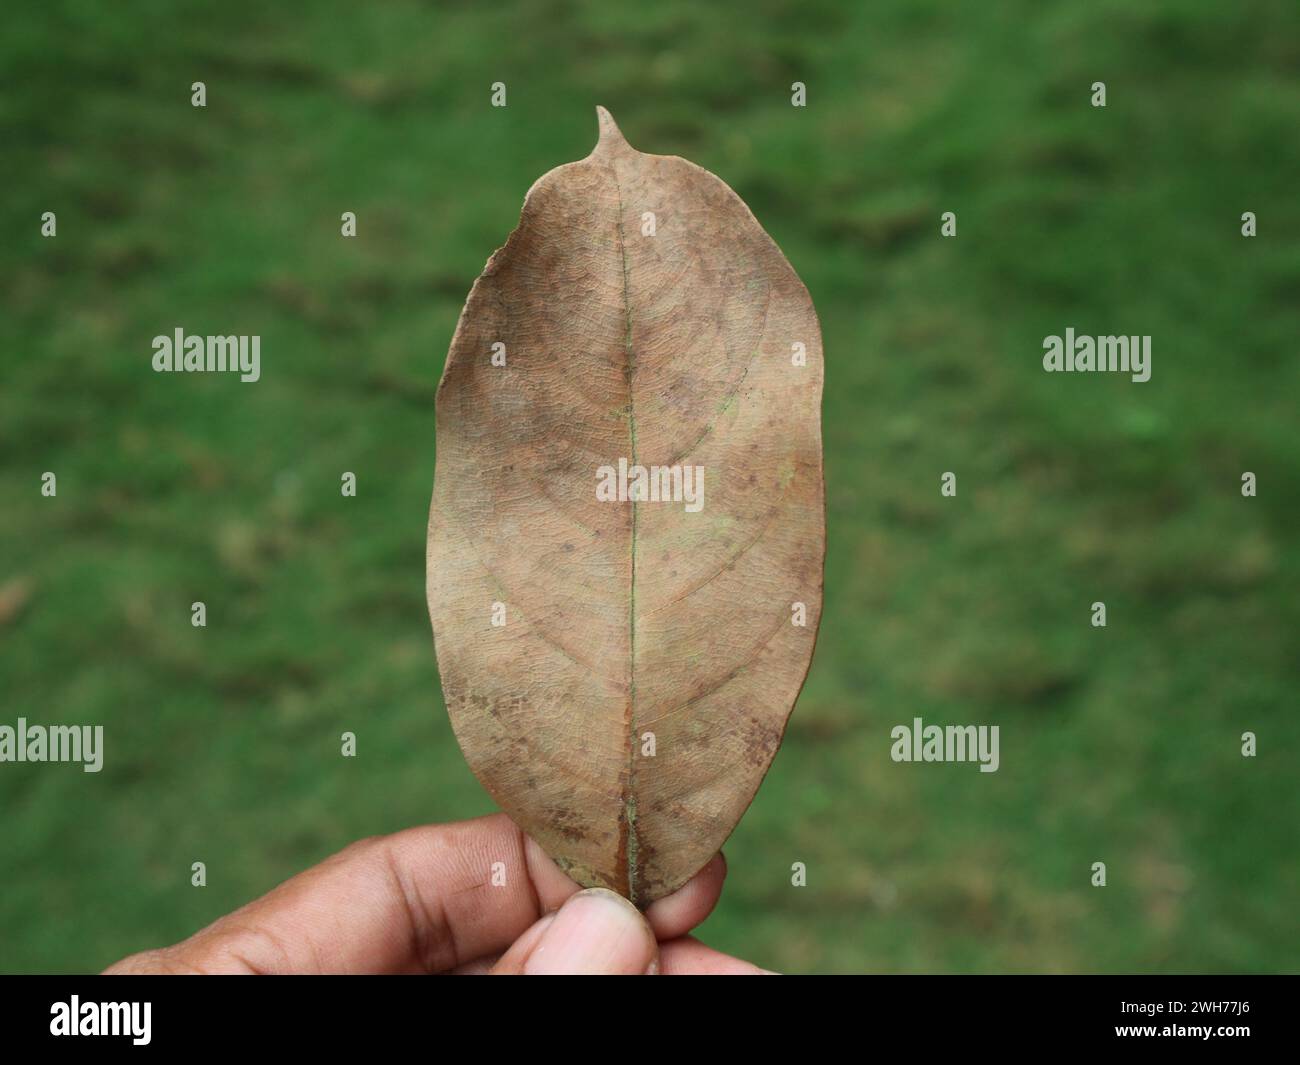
594	932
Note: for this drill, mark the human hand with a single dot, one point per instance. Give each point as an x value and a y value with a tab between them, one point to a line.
422	901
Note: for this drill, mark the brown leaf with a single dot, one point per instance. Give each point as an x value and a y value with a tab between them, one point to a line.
636	617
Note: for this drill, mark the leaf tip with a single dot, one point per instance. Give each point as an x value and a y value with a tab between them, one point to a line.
610	135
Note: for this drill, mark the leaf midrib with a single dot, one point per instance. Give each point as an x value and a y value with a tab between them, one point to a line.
629	795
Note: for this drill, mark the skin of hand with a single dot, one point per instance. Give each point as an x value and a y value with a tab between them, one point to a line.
423	901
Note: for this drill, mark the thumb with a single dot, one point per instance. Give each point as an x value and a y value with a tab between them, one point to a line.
595	932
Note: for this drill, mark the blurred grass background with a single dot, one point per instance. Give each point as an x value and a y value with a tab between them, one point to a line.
1119	744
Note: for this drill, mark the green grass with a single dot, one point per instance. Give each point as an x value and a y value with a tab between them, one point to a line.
1118	744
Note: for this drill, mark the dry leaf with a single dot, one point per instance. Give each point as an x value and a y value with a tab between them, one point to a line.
619	672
